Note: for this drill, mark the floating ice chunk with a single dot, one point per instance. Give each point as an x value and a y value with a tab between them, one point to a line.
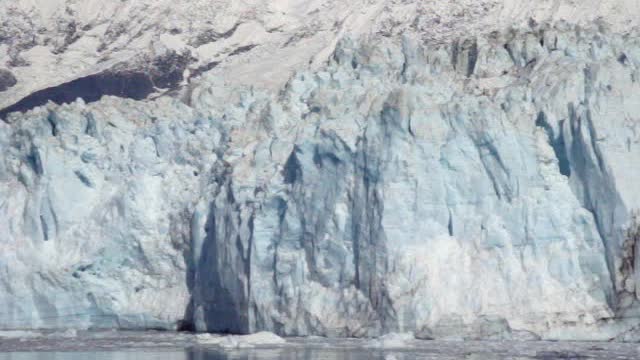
392	340
69	333
208	338
264	338
19	334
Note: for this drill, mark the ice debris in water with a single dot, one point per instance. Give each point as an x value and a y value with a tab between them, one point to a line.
19	334
392	340
263	338
69	333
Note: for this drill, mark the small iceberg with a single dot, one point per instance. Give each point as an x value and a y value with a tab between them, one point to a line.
67	334
19	334
263	338
391	340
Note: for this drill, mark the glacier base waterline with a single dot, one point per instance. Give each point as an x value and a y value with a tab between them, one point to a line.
114	345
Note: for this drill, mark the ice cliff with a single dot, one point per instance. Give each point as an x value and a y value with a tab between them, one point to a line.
479	187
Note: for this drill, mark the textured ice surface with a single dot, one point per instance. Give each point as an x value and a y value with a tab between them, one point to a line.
477	189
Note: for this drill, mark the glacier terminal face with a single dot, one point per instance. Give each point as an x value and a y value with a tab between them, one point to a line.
478	188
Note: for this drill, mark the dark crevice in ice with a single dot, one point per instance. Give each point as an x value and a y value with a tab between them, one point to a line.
557	143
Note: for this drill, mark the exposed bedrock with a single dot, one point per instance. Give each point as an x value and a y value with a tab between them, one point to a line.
7	80
126	81
480	189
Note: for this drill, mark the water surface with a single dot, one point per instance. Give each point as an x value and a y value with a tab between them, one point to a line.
111	345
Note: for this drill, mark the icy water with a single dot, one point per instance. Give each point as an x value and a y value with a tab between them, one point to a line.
180	346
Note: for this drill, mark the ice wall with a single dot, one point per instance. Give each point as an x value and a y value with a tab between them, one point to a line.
481	188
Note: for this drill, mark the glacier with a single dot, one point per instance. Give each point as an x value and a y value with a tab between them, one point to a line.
480	188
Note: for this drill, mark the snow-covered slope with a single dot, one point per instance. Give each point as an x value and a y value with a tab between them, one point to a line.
450	169
168	43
